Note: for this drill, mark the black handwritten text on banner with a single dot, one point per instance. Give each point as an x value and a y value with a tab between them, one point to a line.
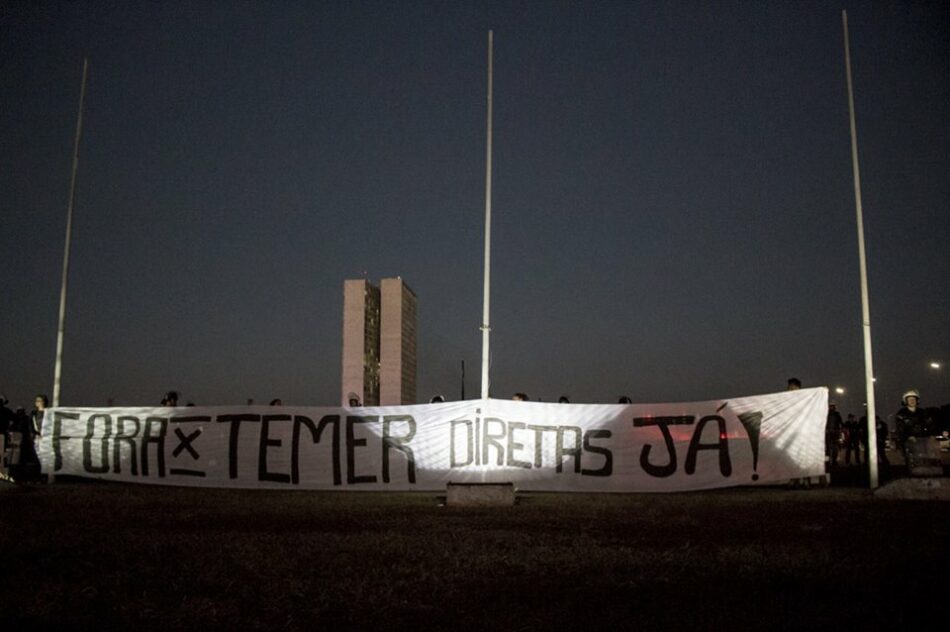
539	447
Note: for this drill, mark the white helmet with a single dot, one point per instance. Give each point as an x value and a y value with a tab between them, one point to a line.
911	393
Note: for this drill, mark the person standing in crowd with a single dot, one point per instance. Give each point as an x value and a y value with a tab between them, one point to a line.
852	440
832	434
624	400
520	397
794	384
18	423
276	402
880	431
353	400
24	464
563	400
913	421
863	437
915	430
6	422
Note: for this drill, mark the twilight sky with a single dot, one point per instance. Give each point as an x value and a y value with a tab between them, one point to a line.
673	210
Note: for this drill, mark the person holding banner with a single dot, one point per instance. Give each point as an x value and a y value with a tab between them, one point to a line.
39	410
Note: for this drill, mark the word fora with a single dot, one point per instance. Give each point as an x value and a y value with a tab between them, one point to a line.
127	440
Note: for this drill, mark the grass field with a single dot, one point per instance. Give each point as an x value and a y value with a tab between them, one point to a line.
87	555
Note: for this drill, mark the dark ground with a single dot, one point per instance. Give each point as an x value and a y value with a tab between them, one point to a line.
94	555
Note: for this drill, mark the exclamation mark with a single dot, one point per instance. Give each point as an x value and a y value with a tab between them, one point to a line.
752	422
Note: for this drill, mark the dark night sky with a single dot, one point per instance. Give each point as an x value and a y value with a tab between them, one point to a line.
673	206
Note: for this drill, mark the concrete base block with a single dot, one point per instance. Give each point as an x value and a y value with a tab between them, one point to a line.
915	489
480	494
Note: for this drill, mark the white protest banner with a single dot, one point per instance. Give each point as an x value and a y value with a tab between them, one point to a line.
537	446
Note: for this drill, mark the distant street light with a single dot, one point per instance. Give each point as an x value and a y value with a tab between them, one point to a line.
936	365
839	390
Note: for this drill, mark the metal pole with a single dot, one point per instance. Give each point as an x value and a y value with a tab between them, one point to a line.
865	309
463	381
486	328
58	371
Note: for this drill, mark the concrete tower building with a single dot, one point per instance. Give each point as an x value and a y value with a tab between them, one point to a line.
379	342
397	344
360	341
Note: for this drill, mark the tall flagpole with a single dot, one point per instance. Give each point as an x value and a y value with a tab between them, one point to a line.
865	309
486	328
58	371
